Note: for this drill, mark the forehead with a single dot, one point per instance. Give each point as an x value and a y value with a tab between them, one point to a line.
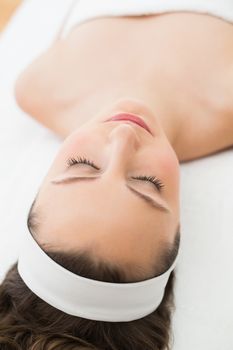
99	201
113	223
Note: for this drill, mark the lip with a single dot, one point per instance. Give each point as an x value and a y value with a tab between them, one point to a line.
131	117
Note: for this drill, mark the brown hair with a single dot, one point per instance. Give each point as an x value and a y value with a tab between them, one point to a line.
29	323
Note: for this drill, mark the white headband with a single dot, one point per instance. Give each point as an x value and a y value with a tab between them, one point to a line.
87	298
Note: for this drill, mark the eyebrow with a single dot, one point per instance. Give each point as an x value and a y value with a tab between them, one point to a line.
151	202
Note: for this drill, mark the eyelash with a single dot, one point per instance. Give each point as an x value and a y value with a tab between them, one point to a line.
78	160
158	184
82	160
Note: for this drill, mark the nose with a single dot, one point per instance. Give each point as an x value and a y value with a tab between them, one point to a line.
123	143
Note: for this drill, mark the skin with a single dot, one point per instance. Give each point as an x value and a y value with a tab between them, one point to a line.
103	214
186	102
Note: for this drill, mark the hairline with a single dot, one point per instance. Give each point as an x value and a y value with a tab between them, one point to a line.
168	256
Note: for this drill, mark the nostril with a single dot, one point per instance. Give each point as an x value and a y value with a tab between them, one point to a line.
124	125
125	132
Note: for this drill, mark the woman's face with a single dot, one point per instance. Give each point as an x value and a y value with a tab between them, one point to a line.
100	204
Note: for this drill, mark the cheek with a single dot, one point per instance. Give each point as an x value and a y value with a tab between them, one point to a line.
169	162
169	166
73	143
77	144
80	143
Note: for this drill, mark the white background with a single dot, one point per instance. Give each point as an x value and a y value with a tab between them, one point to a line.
204	304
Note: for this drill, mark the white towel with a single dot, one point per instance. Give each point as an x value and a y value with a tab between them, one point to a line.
84	10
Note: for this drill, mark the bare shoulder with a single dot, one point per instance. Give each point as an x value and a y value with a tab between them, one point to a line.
34	87
211	131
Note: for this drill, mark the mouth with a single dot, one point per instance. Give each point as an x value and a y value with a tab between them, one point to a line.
132	118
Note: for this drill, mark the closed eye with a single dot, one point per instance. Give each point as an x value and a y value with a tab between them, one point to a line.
158	184
82	160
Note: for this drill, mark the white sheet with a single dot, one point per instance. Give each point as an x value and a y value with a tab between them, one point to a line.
204	316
